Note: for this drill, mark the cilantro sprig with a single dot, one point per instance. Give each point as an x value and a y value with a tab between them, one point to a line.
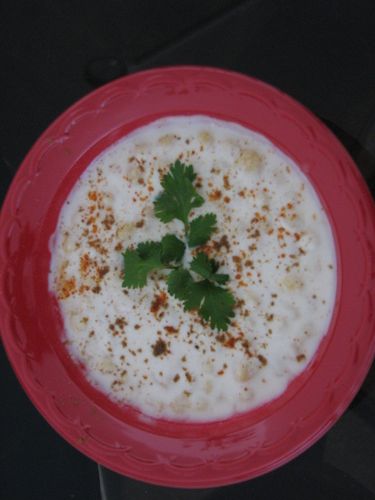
179	196
207	294
207	268
201	229
150	256
213	303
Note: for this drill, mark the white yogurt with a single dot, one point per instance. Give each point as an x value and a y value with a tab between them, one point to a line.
139	346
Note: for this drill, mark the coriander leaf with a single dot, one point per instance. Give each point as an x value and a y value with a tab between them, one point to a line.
201	229
149	250
207	268
172	249
204	266
217	307
193	296
139	262
189	171
214	304
179	282
179	195
220	278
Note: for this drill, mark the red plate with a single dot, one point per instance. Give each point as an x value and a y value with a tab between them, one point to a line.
156	451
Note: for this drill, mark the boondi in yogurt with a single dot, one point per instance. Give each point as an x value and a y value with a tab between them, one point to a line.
273	239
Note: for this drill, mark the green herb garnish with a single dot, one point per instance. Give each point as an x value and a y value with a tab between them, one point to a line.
150	256
201	229
179	196
213	302
207	268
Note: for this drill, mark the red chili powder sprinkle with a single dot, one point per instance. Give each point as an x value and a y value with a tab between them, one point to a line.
215	195
158	302
170	329
262	359
159	348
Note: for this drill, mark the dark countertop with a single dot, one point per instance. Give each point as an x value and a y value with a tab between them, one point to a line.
52	53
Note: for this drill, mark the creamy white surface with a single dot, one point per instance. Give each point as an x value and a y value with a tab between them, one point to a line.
280	259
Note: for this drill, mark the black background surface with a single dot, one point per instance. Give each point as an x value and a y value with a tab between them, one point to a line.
52	53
